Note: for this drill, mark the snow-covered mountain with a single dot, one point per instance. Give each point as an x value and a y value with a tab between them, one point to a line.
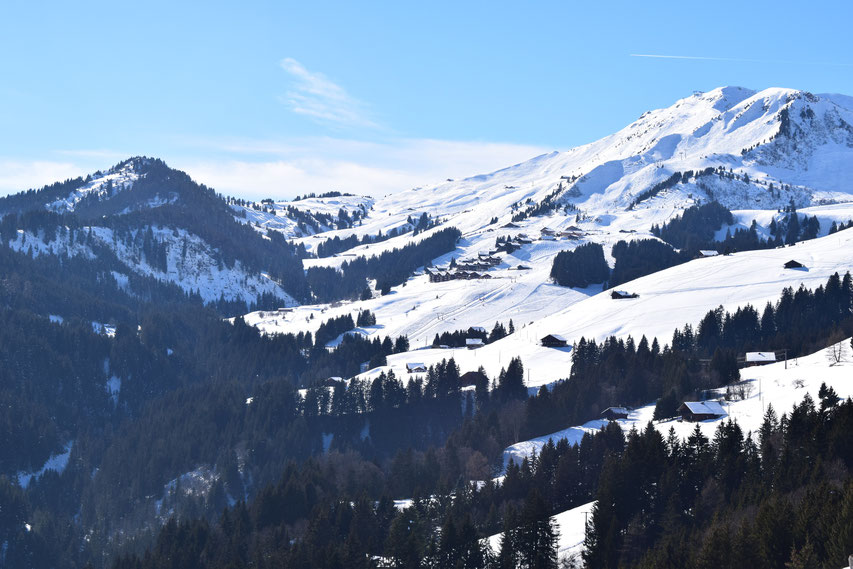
143	218
754	152
109	248
800	143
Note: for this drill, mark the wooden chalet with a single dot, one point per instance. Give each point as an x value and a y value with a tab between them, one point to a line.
705	253
416	367
438	275
333	381
474	343
472	378
619	294
614	413
554	341
701	410
792	264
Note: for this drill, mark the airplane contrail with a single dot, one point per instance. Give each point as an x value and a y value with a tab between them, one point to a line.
737	59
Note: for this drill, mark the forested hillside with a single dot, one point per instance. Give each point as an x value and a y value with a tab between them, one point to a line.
438	446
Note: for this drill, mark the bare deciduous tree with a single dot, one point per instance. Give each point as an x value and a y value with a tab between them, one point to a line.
836	353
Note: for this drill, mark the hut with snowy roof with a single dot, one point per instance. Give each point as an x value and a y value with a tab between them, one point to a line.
701	410
614	413
759	358
554	341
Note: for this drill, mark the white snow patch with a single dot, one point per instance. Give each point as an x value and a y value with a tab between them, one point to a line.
195	483
571	529
104	329
56	462
114	387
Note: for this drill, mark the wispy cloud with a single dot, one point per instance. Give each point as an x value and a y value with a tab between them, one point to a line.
282	169
18	175
318	97
97	154
738	59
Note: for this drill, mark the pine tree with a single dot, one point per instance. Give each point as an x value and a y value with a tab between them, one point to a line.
508	557
405	545
511	381
537	538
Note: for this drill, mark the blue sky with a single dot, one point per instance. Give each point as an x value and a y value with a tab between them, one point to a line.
282	98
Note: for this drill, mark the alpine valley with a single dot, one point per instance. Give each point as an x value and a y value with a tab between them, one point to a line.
488	372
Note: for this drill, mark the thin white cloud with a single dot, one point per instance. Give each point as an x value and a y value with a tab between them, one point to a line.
260	169
97	154
737	59
283	168
19	175
319	98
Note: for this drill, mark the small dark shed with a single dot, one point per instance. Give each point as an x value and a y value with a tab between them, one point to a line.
792	264
554	341
472	378
613	413
617	294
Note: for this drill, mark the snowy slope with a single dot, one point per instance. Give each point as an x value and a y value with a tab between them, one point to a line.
99	185
420	309
311	215
782	385
570	526
800	143
780	136
190	262
668	300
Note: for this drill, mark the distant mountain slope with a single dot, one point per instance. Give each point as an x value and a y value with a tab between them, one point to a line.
744	148
144	218
753	151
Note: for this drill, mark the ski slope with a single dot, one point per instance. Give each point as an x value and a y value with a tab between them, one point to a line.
668	300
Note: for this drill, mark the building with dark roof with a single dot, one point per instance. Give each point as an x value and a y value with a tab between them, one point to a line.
554	341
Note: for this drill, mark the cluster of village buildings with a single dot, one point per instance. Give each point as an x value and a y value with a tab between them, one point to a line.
466	269
478	267
572	233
